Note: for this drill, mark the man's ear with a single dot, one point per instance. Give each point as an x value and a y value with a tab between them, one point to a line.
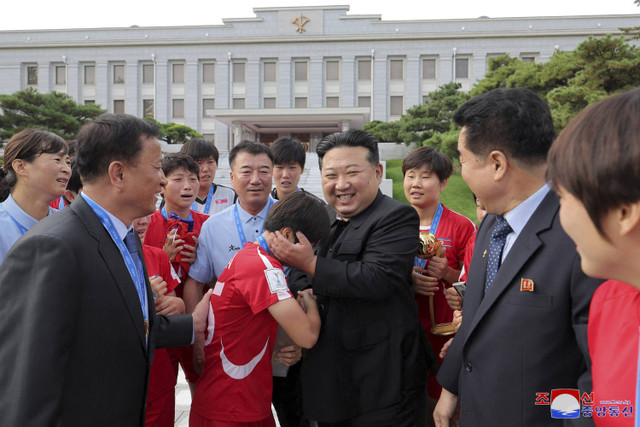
379	170
70	195
499	163
115	172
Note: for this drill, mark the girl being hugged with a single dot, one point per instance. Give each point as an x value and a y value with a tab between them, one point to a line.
35	173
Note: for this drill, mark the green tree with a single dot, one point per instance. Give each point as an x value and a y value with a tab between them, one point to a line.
429	123
633	32
173	133
54	111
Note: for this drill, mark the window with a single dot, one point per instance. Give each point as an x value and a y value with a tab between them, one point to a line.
32	75
208	105
429	69
147	107
332	70
177	72
269	103
269	71
238	103
300	102
209	137
364	101
178	108
147	74
208	73
364	69
89	74
528	59
238	72
395	106
333	101
61	75
396	69
118	106
300	71
89	101
462	68
118	74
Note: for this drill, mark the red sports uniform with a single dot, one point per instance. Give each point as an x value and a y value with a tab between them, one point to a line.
162	377
156	236
614	322
236	383
454	231
468	254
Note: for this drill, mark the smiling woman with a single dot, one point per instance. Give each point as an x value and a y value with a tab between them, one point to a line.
35	173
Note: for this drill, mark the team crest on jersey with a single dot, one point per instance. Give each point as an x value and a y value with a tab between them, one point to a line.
276	280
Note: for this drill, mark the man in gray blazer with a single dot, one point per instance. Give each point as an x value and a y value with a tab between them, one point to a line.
78	319
525	312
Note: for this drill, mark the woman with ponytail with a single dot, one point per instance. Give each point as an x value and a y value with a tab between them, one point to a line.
35	173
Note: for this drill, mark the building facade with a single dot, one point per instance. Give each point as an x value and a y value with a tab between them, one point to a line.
303	72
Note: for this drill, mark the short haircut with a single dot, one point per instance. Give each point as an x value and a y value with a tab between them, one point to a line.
200	149
349	138
171	162
287	151
515	121
300	212
250	147
596	158
75	183
111	137
436	162
26	145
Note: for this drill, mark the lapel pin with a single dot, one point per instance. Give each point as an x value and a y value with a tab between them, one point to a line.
526	285
484	253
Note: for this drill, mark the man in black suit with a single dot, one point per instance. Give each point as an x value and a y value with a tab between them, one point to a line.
525	312
78	320
369	367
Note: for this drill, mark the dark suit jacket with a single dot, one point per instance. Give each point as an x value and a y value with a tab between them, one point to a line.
72	340
371	345
514	343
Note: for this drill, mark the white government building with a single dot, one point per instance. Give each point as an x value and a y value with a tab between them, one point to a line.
295	71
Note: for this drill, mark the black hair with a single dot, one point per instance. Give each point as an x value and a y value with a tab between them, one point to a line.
200	149
287	151
350	138
175	161
250	147
515	121
300	212
436	162
111	137
75	183
26	145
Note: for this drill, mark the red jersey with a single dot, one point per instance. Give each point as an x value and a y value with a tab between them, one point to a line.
614	322
162	377
468	254
58	203
236	382
160	227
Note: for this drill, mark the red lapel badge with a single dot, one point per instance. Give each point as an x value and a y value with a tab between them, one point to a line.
526	285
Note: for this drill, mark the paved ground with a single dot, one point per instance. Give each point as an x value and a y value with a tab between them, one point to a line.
183	403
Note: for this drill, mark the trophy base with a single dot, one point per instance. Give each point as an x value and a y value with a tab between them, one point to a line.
443	329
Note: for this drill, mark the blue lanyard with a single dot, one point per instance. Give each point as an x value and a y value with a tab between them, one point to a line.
207	205
263	243
134	272
61	203
421	262
236	214
188	221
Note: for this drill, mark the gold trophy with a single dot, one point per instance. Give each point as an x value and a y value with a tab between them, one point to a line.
430	246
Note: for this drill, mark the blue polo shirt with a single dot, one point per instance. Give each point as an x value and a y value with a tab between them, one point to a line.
219	240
